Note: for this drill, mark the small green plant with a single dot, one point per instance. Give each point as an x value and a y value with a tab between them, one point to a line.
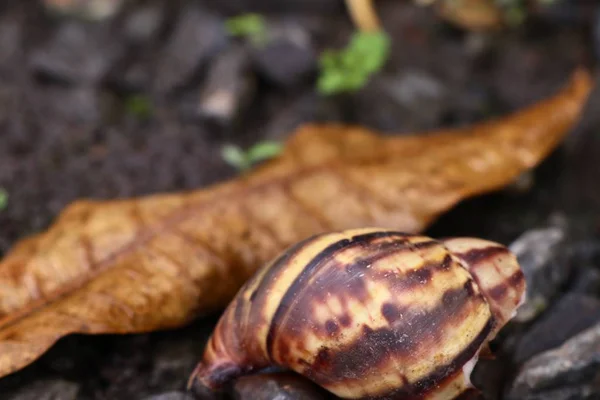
351	68
3	199
138	106
251	26
244	160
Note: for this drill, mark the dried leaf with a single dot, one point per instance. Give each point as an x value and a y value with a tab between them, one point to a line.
156	262
475	15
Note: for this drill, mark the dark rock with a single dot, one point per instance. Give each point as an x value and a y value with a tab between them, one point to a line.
47	390
411	101
280	386
289	55
572	314
542	254
306	108
171	396
571	371
144	23
77	53
489	377
228	89
197	36
584	392
173	362
587	281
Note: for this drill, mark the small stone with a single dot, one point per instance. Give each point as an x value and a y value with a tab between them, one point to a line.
171	396
172	363
229	87
572	369
144	23
197	36
77	53
572	314
280	386
48	390
308	107
285	62
411	101
543	259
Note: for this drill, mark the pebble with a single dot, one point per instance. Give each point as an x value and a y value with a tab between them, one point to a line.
229	87
572	314
47	390
571	371
78	53
279	386
144	23
410	101
289	57
542	255
197	36
307	108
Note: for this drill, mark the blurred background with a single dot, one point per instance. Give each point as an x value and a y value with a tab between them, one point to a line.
118	98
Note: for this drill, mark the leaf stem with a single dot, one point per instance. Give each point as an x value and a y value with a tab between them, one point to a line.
363	15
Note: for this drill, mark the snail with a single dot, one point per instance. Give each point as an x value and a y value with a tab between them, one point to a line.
369	314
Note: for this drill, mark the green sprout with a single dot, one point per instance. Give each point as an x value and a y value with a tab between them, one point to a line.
251	26
139	106
244	160
3	199
351	68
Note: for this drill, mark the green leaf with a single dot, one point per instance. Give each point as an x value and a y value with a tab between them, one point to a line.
139	106
243	161
251	26
235	157
350	68
3	199
264	151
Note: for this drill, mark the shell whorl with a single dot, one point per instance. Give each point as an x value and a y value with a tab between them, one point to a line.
369	314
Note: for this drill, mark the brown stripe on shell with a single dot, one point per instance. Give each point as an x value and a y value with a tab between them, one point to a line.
478	255
322	258
401	341
513	282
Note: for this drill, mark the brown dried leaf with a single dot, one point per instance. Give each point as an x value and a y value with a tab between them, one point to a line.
156	262
475	15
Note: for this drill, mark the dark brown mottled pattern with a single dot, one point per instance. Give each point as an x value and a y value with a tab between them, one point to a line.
442	375
346	283
404	339
323	258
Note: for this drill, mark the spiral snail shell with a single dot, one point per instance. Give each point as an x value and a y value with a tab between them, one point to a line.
369	314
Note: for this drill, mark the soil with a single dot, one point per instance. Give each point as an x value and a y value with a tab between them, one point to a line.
67	134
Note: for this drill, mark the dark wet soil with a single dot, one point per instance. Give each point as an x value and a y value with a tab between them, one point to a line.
68	130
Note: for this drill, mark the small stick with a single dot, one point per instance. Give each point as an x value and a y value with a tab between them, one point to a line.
363	15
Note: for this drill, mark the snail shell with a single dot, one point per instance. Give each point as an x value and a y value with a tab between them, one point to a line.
369	314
